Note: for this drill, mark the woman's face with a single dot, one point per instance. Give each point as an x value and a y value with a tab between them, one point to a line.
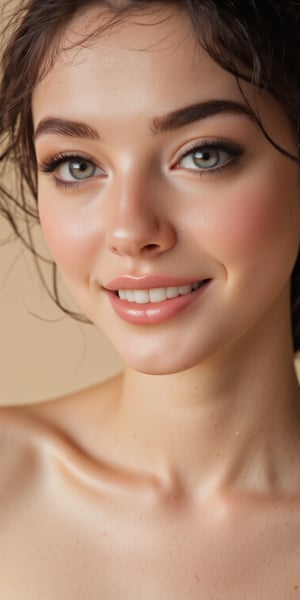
157	186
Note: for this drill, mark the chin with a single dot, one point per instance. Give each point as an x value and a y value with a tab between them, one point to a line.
157	369
160	364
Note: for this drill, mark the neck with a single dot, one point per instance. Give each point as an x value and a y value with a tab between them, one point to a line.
233	420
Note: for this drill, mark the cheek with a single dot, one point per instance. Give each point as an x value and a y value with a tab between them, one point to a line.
73	238
254	222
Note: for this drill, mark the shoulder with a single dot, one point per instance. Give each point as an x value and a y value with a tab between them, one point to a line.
29	433
59	411
18	453
77	413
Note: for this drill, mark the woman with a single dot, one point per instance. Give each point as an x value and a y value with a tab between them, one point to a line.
160	141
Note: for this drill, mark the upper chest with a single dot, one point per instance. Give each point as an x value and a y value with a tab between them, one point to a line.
58	539
69	530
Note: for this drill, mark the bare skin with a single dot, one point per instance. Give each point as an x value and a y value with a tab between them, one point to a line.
180	478
73	525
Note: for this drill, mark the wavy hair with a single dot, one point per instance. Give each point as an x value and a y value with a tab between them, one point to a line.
255	40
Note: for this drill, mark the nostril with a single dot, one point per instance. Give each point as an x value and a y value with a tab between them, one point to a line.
151	246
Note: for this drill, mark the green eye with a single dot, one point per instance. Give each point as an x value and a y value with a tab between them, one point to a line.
80	169
69	170
212	156
206	159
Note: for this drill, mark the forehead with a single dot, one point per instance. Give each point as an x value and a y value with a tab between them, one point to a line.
151	52
148	64
160	28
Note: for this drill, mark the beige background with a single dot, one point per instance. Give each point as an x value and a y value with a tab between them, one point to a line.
43	353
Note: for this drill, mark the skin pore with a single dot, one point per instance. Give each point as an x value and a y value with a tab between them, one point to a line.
196	446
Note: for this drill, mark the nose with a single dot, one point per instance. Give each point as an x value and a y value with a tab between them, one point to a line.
139	224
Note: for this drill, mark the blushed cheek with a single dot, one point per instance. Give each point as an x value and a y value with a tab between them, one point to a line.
74	243
254	223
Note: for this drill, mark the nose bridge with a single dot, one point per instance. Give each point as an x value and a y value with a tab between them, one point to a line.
137	221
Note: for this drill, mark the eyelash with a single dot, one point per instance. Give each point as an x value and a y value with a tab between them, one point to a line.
235	152
49	166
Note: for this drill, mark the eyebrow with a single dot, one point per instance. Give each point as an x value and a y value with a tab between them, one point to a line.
160	124
65	127
196	112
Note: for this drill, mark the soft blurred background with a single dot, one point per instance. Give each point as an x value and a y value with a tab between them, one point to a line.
43	352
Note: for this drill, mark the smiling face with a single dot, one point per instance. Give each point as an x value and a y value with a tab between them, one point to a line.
156	185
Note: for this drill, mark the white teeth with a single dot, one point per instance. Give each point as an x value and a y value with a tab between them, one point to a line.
141	296
157	294
185	289
172	292
130	295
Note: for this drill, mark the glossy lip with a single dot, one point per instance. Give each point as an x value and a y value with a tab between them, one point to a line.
146	282
156	312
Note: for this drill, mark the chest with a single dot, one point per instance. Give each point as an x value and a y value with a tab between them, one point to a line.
67	547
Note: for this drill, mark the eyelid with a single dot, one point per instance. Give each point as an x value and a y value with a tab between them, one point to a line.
234	149
47	164
51	164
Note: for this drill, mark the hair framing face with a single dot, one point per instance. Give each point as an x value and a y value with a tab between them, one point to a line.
238	36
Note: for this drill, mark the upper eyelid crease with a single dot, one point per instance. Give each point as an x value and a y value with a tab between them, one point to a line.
52	163
233	148
224	144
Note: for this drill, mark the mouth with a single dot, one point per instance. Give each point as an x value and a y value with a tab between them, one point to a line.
145	301
158	294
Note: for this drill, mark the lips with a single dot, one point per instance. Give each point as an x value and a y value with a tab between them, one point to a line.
152	299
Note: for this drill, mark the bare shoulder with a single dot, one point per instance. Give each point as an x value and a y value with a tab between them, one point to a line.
28	432
18	454
83	406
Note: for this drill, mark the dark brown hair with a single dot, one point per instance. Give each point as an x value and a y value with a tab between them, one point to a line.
256	40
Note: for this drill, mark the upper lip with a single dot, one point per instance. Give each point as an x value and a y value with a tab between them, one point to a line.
131	282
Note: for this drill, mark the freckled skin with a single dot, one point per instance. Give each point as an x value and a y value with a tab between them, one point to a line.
180	478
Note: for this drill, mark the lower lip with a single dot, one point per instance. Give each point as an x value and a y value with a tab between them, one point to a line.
156	312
